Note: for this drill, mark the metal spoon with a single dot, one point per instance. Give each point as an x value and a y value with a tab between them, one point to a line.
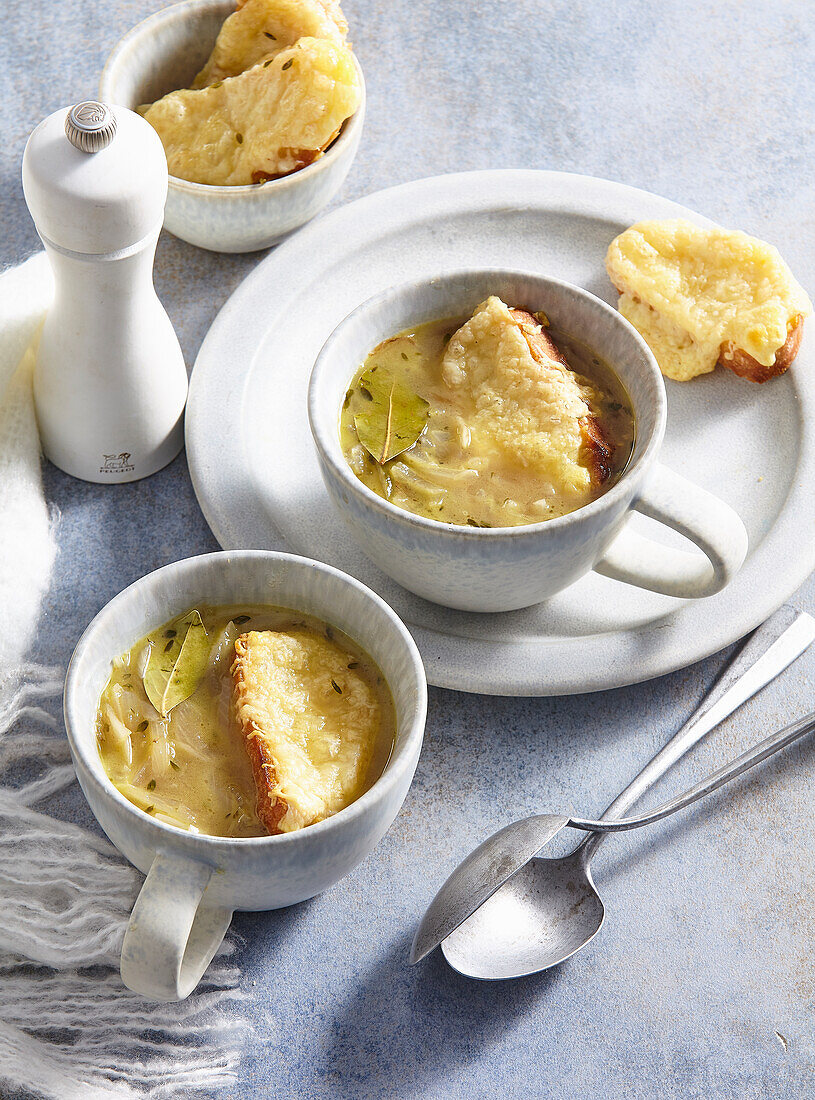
500	915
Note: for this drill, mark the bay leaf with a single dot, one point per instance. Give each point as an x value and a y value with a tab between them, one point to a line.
394	417
177	661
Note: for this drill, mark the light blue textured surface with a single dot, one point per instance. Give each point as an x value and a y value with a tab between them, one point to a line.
707	950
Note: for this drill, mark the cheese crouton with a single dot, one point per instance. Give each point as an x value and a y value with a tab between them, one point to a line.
260	29
702	297
269	121
309	721
527	400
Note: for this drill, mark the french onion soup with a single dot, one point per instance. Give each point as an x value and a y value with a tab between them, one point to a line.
491	422
244	721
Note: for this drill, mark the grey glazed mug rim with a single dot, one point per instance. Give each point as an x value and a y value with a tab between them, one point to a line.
196	845
330	452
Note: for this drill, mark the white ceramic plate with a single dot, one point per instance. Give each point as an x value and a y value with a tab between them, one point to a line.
255	472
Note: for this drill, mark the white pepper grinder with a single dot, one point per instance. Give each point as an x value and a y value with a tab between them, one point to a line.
109	381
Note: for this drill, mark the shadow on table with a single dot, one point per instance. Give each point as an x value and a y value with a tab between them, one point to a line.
754	805
398	1033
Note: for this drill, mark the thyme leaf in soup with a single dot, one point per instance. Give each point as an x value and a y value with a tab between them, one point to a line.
174	670
394	419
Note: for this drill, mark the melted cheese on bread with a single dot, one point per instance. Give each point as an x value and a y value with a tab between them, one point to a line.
272	119
260	29
693	293
310	724
521	398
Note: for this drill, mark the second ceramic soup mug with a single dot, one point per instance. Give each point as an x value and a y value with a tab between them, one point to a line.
504	568
194	881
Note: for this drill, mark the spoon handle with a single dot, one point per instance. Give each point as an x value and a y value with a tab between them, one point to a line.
771	648
748	759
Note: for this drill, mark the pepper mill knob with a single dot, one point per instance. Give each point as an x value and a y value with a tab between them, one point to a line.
90	126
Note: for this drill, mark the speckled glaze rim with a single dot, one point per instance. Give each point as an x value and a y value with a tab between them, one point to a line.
196	844
177	13
330	450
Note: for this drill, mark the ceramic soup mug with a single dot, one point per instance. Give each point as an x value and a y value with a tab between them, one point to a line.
195	881
503	568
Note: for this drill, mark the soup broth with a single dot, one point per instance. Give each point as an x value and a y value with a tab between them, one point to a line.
190	768
451	473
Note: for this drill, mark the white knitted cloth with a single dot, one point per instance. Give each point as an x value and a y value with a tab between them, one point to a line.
26	541
65	893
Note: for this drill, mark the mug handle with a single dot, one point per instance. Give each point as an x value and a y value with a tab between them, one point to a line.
171	938
698	515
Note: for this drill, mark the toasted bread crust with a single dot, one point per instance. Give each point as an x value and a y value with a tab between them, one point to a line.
598	451
271	808
540	342
302	158
745	366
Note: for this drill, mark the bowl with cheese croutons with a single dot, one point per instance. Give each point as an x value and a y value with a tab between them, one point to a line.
259	105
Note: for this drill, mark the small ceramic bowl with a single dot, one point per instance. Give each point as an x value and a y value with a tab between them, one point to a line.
504	568
163	53
195	881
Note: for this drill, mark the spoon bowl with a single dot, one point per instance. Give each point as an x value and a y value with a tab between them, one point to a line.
474	881
541	916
